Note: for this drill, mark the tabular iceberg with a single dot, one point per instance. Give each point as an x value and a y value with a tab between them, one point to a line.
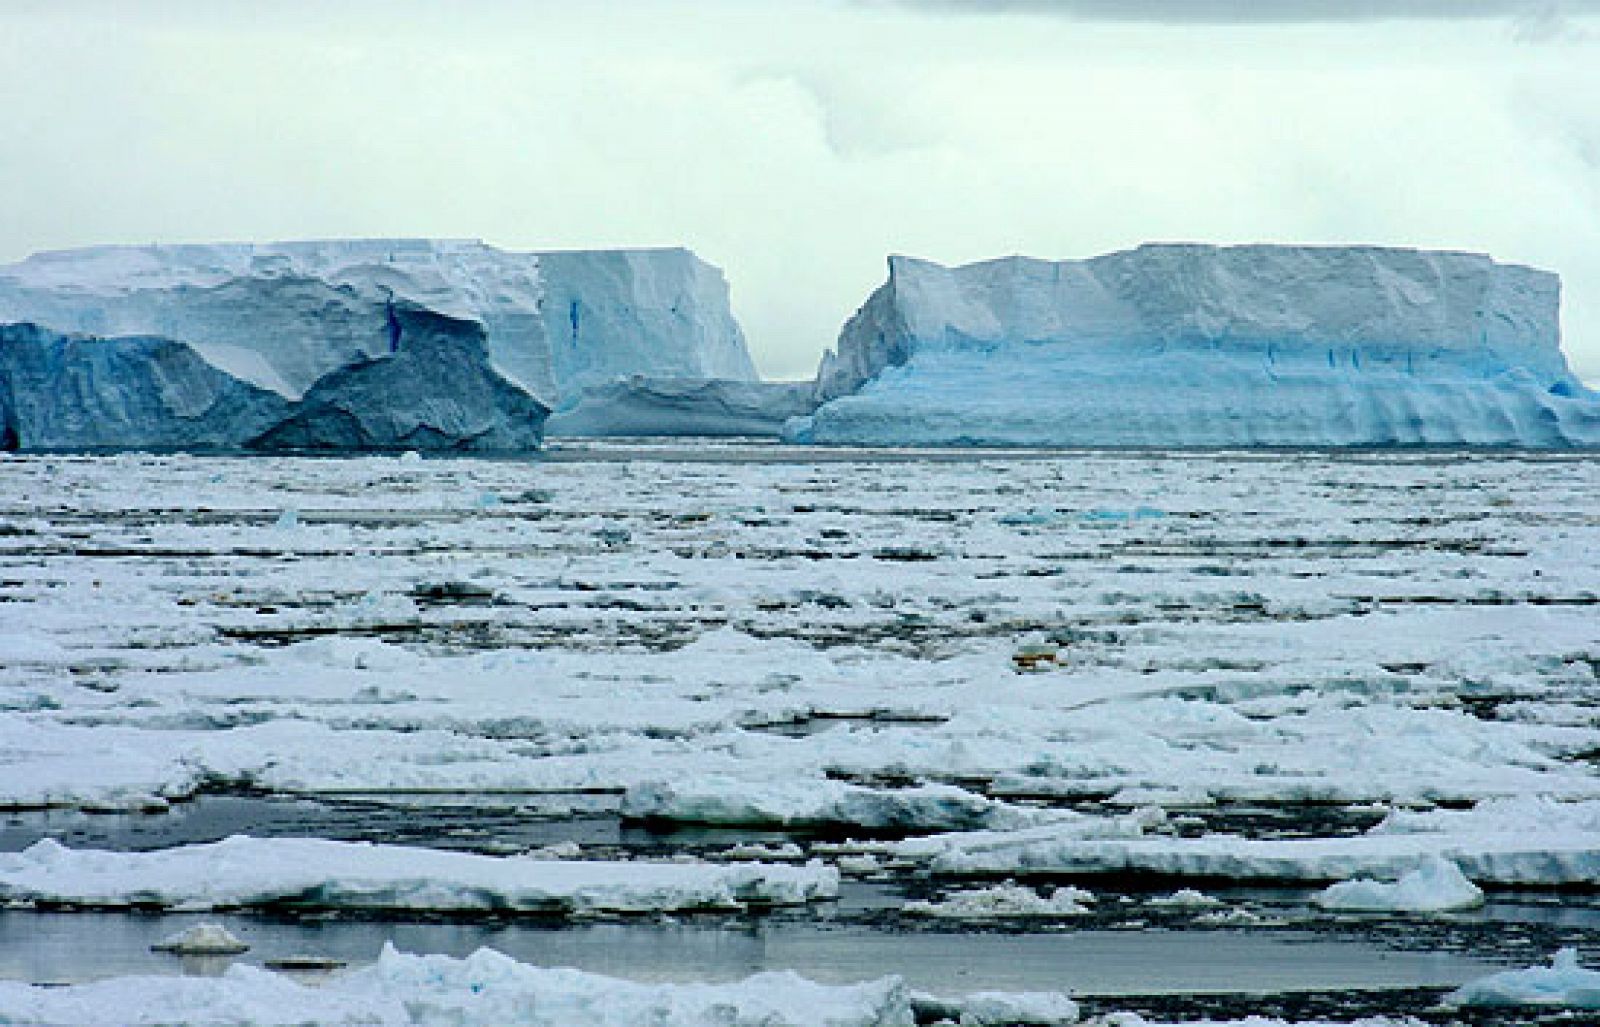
314	330
1192	345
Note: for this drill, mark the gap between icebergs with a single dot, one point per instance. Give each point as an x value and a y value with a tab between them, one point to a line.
244	871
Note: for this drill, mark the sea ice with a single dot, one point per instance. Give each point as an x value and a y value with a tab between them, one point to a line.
242	871
715	799
485	989
1006	900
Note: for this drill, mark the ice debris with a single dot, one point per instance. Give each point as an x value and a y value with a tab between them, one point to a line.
1004	901
206	939
1563	983
1435	886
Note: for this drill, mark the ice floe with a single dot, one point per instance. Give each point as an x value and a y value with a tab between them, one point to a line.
485	989
242	871
1502	858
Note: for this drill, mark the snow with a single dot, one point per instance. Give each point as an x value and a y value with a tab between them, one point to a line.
1190	345
242	871
485	988
1563	983
1435	886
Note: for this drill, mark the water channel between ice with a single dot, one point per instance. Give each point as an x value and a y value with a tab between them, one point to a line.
75	947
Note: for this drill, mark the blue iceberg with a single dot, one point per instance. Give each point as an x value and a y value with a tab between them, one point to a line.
361	344
1192	345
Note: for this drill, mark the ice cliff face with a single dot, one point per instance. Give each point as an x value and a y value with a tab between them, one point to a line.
437	390
282	315
349	344
1187	345
684	406
434	390
76	392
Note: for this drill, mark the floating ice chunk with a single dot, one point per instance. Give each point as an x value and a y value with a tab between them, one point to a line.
718	799
1436	886
376	608
568	849
202	940
986	1008
243	871
1186	898
1562	983
1006	900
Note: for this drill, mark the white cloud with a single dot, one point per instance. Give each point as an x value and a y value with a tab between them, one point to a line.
794	144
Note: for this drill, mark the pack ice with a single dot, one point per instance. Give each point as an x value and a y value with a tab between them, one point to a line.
345	344
1193	345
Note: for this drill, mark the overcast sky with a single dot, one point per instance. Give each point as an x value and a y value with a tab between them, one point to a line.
795	145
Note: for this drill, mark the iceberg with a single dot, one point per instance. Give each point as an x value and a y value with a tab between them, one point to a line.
437	390
363	344
641	405
434	390
79	392
1194	345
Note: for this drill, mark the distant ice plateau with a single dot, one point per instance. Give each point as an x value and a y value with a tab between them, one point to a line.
1193	345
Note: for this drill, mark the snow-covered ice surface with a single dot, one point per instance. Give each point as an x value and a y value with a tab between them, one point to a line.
319	874
1192	345
486	988
1305	667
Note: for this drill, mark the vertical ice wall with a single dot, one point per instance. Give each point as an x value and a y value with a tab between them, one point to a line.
1189	345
